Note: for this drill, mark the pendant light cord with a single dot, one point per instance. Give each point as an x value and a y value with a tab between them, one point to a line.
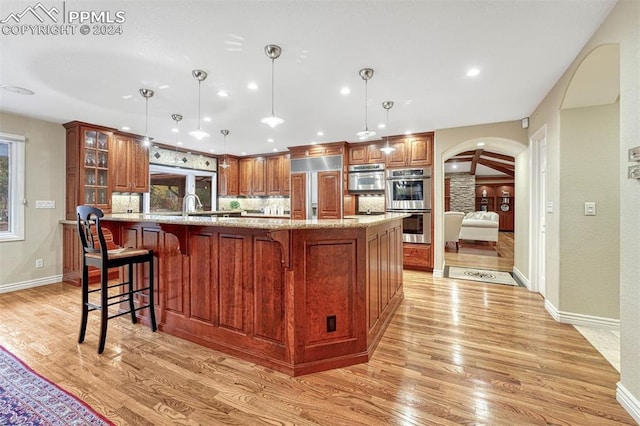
146	117
199	82
273	114
366	116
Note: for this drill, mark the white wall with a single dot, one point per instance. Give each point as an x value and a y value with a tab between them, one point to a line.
45	180
621	27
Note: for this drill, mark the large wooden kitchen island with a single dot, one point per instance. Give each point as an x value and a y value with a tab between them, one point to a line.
298	296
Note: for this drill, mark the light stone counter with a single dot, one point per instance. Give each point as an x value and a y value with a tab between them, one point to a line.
257	223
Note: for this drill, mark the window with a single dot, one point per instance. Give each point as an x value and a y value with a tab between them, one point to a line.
169	185
12	177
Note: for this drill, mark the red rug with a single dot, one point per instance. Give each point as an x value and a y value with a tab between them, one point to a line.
27	398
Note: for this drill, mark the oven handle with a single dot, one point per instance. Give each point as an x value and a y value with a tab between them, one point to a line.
408	211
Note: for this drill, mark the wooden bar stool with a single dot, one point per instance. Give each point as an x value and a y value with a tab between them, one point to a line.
96	253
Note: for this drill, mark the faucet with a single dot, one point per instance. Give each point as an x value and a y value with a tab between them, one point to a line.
184	203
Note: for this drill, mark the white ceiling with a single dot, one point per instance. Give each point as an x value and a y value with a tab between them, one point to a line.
420	51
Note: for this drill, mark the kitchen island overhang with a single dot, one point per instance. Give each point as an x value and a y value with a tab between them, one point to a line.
298	296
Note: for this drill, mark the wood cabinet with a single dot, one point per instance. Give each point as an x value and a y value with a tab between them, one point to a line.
278	175
363	153
417	256
130	164
245	179
88	167
298	196
329	195
497	198
410	151
228	178
286	175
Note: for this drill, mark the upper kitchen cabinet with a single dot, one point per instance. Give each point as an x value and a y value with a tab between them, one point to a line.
410	151
366	153
88	167
130	164
253	171
278	175
228	178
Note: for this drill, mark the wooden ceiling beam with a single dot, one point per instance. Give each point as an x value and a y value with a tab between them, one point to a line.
474	162
501	167
499	156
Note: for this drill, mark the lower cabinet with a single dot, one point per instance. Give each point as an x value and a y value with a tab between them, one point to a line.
417	256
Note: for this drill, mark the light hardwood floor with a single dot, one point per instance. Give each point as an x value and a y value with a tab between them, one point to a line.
483	255
456	352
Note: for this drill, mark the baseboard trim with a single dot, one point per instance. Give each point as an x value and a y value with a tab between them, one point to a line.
581	319
520	277
6	288
438	273
628	402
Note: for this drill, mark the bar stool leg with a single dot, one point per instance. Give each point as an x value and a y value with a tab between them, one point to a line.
152	311
104	309
85	301
131	306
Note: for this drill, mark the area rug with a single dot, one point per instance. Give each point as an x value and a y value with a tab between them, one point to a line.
482	275
26	398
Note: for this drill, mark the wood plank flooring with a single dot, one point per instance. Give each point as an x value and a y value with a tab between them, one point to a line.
455	353
483	255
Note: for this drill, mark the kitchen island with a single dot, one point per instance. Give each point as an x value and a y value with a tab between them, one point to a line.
298	296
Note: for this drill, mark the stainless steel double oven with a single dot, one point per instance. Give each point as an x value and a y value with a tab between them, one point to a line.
409	191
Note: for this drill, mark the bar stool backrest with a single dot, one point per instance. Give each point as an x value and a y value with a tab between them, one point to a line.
90	231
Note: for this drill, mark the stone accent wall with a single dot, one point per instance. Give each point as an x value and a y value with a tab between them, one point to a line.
462	192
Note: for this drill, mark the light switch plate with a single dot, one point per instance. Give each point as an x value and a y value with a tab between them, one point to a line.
45	204
634	154
590	208
549	206
634	172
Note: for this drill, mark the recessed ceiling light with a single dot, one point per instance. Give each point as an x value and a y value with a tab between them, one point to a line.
223	94
212	150
275	149
473	72
480	144
252	86
320	133
270	140
313	142
17	89
345	91
164	86
175	130
454	166
125	128
381	126
408	132
178	143
127	96
243	153
206	119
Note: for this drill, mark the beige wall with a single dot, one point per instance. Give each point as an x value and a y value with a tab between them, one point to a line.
590	245
45	180
507	138
621	27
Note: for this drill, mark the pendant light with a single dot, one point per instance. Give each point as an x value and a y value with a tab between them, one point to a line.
146	94
198	133
387	149
177	118
224	164
366	74
273	53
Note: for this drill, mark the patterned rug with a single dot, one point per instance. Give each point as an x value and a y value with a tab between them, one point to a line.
482	275
26	398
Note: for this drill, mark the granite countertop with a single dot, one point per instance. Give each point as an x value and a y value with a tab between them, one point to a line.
359	221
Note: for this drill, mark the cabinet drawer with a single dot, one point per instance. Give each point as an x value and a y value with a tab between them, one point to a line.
418	255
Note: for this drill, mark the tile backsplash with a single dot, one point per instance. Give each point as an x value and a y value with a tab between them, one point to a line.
122	203
255	204
372	203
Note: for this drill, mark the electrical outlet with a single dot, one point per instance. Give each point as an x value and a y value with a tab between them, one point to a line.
39	263
590	208
331	323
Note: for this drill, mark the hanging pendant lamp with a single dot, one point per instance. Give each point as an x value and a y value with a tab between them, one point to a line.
199	133
366	74
273	53
224	164
387	149
146	94
177	118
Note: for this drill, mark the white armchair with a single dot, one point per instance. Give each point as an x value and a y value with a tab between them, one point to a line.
452	225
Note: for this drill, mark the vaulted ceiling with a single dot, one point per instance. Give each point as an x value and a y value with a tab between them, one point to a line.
482	163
